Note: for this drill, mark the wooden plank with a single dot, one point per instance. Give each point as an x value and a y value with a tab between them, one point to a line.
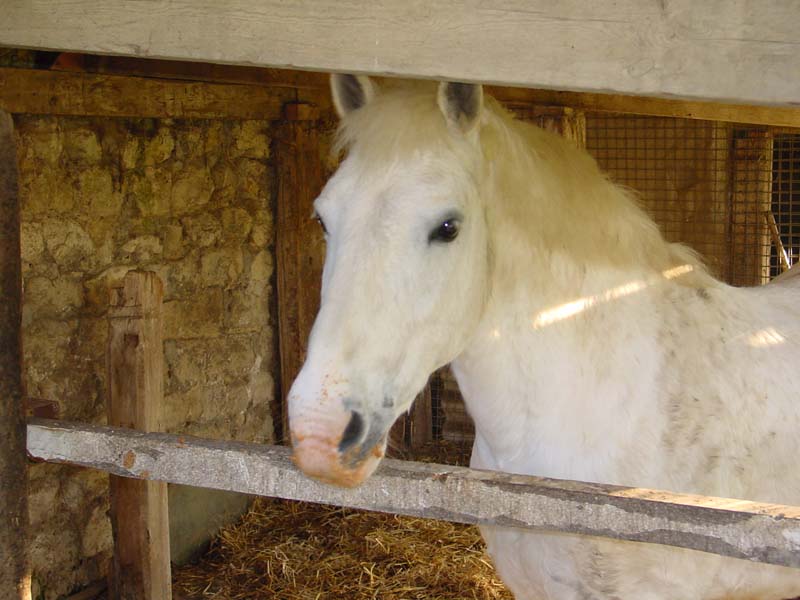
14	566
191	71
657	107
42	92
743	51
738	528
84	94
139	514
300	244
421	421
313	87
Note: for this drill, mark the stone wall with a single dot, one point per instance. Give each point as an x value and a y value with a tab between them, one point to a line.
188	199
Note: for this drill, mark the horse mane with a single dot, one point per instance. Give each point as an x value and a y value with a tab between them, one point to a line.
541	183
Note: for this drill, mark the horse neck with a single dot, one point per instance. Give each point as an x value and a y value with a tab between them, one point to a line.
542	349
565	288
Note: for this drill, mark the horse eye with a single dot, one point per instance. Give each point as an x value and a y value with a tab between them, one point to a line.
321	223
446	232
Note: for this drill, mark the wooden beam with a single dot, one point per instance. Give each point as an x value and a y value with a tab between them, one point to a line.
228	93
746	53
749	530
777	116
14	566
27	91
191	71
139	512
750	197
313	87
299	244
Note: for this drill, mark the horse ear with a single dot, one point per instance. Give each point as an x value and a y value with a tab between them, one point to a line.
461	104
351	92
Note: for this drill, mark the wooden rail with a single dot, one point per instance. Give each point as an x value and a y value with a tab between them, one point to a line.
737	528
29	91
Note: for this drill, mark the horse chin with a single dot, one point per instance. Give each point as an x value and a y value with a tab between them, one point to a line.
324	463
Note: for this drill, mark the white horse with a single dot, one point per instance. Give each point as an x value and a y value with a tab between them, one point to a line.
585	345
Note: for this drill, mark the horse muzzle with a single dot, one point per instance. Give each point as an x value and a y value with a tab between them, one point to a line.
339	447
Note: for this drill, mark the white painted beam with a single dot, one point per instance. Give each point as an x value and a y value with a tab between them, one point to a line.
748	530
747	51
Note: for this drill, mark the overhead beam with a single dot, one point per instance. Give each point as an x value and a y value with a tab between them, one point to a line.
28	91
313	87
758	532
776	116
162	89
737	50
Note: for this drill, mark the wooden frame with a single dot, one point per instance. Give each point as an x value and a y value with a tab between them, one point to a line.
28	91
299	241
14	566
156	90
759	532
745	53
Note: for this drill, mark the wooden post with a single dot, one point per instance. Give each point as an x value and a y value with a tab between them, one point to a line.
14	566
300	244
139	516
569	123
751	197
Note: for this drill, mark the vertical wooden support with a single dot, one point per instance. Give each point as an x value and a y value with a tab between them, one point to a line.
569	123
300	244
135	361
751	197
14	566
422	419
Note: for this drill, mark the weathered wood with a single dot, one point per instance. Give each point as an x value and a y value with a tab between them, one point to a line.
191	71
84	94
775	234
139	514
14	567
300	244
751	197
91	592
755	531
777	116
43	92
563	120
421	421
746	51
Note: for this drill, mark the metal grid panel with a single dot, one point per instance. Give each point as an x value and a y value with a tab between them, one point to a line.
785	200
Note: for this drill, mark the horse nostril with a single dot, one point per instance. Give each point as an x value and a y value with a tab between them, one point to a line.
352	433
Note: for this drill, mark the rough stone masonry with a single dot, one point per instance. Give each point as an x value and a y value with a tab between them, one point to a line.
190	200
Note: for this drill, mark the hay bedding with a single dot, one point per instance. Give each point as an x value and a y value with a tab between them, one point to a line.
297	551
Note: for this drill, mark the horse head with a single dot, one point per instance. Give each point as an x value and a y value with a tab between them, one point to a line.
406	269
